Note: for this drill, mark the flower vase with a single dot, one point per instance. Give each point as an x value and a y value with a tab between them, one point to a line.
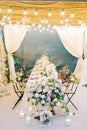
44	108
45	124
45	118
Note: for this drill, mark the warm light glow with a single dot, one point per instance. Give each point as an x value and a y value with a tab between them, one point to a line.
66	20
17	23
49	13
42	21
46	21
36	12
8	18
79	21
49	25
4	17
0	9
39	26
10	22
63	12
3	20
61	21
33	24
25	12
27	20
72	15
10	9
23	19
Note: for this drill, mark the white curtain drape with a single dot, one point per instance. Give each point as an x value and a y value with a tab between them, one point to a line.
13	39
72	39
84	68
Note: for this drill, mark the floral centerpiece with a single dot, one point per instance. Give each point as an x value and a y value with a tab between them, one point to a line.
66	77
43	85
46	117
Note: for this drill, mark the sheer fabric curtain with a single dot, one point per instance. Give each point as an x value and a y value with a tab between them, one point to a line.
13	39
84	68
72	39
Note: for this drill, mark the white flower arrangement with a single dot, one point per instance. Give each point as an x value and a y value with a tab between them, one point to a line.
46	117
43	85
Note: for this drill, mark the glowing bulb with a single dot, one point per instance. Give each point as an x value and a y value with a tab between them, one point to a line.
0	9
61	21
33	24
8	18
27	20
39	26
79	21
49	14
66	19
46	21
25	12
42	21
72	15
10	9
49	25
4	17
62	13
10	22
36	12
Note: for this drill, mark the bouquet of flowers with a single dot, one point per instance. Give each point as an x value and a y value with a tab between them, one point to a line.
46	117
43	85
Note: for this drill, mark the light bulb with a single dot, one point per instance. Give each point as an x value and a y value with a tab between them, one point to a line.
36	12
25	12
62	13
72	15
49	14
10	9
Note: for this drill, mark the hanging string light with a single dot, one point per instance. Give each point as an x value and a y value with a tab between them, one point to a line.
66	20
80	21
62	12
25	11
61	22
0	9
72	15
10	9
36	12
50	13
8	17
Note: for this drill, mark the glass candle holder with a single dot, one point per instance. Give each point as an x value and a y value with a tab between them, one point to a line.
21	114
28	120
68	121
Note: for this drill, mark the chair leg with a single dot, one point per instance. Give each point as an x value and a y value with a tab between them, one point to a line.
17	101
74	105
69	100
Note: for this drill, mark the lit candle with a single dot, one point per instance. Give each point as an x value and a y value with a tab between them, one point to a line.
67	121
70	113
21	114
28	120
30	111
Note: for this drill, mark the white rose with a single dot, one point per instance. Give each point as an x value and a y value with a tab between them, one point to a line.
42	96
57	91
44	90
42	102
55	100
36	95
58	104
33	101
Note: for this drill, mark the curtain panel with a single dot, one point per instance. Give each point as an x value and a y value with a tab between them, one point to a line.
73	38
14	34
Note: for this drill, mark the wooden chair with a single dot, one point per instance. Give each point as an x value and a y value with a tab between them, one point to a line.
70	92
19	87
